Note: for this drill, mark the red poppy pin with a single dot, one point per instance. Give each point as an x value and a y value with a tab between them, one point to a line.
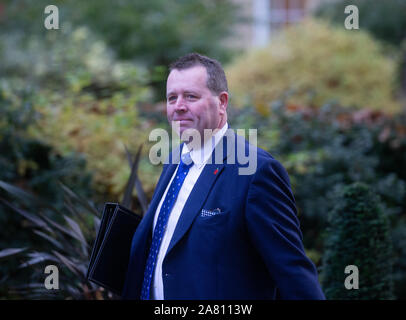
215	171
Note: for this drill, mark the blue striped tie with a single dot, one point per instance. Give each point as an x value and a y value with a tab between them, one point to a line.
167	205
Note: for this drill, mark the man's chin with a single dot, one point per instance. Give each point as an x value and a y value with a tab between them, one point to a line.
186	134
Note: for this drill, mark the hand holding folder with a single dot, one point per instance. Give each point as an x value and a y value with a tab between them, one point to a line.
111	251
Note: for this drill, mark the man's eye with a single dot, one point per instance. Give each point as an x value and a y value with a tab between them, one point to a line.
171	98
191	96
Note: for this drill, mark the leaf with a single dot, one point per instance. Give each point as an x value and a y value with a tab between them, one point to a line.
129	156
4	279
23	195
63	229
82	201
36	220
65	240
138	185
10	251
37	257
74	292
31	262
68	263
17	192
55	242
142	197
76	229
82	268
28	286
70	206
131	181
96	224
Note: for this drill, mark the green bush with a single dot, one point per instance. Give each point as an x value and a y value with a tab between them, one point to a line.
30	161
33	165
61	235
358	235
152	33
317	64
332	146
86	101
327	148
385	20
65	241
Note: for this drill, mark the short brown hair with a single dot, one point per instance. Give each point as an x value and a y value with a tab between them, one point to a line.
216	78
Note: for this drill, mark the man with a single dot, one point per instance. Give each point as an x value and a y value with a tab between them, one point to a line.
211	232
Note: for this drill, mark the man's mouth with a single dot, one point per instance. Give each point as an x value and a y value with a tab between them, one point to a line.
182	120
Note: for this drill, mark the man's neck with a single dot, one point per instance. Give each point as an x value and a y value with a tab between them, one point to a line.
206	138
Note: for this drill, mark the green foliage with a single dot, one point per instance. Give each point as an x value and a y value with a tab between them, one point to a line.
34	165
316	64
30	161
68	245
385	20
324	149
402	67
358	235
85	100
331	146
153	32
399	269
86	96
69	233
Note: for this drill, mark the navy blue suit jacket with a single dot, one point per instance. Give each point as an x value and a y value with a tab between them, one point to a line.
251	250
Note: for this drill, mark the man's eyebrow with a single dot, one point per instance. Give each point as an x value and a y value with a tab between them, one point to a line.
190	91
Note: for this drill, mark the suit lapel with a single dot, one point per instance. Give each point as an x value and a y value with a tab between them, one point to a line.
201	189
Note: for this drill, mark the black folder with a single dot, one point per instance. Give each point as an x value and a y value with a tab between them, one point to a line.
111	251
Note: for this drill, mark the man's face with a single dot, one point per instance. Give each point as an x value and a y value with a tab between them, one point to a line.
191	102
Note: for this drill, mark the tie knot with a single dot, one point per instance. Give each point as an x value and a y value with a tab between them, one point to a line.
186	159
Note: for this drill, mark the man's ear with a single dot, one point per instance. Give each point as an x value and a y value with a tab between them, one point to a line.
223	99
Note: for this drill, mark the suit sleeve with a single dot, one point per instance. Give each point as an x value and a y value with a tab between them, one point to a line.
274	230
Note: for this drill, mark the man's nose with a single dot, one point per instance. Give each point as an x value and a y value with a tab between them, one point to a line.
180	104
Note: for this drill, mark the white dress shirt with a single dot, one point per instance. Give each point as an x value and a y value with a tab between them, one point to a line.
200	158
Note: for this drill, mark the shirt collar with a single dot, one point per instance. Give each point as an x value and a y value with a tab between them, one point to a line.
202	155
